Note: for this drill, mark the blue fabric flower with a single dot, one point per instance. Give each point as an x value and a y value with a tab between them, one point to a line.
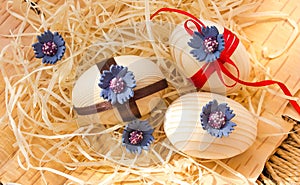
137	136
207	45
50	47
117	84
215	118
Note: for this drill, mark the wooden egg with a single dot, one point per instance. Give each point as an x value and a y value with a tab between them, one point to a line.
91	107
184	130
180	50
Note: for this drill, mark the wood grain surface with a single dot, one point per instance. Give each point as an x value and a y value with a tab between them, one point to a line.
145	73
190	66
183	127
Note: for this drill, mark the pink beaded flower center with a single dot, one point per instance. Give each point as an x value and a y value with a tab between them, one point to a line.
136	137
117	85
216	119
49	48
210	45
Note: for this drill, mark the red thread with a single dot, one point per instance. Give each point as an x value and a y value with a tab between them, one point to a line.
190	31
200	78
193	19
261	84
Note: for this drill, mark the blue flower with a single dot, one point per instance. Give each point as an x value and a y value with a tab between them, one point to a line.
117	84
215	118
207	45
50	47
137	135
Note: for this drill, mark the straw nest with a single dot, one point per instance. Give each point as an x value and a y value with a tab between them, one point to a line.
38	97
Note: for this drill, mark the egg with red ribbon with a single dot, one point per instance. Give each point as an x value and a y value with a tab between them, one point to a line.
200	55
118	89
207	52
213	57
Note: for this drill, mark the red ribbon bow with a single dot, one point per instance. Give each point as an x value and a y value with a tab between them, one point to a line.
231	43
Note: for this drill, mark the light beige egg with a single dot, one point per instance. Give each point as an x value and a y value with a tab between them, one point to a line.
86	92
184	130
180	50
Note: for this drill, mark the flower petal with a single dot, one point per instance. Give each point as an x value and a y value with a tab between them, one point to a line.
211	107
104	93
139	125
228	114
200	35
204	121
206	109
199	54
125	136
133	149
224	133
228	128
128	92
222	107
49	59
115	69
37	47
47	36
134	125
125	95
58	40
230	125
213	132
214	106
221	42
147	140
129	80
199	51
210	57
148	132
210	31
122	73
112	97
105	79
196	41
145	126
60	52
217	54
120	98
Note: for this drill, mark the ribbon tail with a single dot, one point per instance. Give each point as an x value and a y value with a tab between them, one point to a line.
177	11
190	31
200	78
218	70
263	83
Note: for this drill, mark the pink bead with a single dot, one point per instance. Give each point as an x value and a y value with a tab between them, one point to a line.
49	48
117	85
216	119
136	137
210	45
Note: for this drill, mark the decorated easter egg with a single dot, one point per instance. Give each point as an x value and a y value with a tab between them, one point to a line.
196	56
209	126
118	89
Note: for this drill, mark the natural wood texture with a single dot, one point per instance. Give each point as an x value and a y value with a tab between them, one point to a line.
145	72
183	128
189	65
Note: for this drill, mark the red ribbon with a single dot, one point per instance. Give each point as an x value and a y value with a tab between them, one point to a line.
231	43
